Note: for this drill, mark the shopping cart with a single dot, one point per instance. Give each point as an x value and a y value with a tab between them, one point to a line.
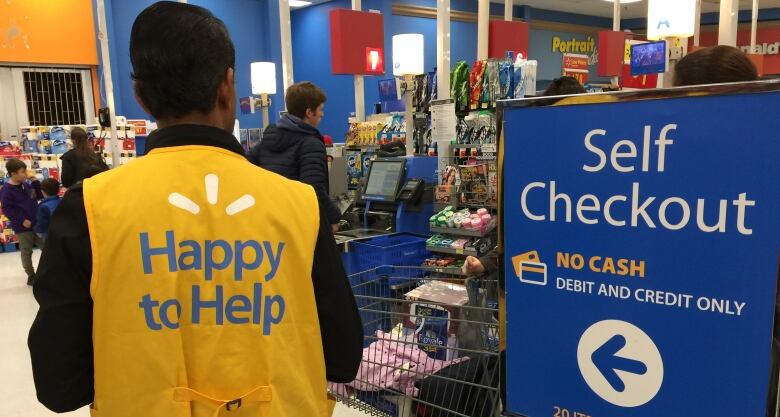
431	344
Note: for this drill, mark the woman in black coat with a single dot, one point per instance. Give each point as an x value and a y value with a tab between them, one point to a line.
81	161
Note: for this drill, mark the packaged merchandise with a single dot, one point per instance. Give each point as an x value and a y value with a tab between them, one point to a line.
44	146
492	86
436	324
58	133
365	161
354	168
444	262
422	93
474	184
475	83
59	147
481	245
432	329
518	82
434	83
8	148
505	71
443	194
480	220
459	85
524	78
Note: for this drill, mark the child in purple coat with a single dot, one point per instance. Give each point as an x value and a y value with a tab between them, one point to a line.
19	201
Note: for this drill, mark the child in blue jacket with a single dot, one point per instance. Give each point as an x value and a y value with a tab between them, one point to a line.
51	199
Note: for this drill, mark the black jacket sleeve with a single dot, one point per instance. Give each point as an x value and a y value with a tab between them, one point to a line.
60	339
314	171
68	171
340	324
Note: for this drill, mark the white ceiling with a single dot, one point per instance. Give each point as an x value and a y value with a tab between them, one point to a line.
632	10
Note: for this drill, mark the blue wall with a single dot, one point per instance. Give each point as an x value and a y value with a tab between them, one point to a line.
312	62
251	29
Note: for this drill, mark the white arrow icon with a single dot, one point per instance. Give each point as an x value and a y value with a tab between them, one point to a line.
620	363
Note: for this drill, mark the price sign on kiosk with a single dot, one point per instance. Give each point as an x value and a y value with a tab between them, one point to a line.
641	243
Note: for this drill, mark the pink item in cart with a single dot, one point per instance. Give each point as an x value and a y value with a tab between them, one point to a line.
393	363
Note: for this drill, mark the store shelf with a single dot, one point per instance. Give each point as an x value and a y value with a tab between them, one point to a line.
452	251
463	232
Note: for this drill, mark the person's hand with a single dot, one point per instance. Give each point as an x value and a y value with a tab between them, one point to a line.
27	224
334	227
473	266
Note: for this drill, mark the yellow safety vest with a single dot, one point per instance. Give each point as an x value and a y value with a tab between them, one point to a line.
203	298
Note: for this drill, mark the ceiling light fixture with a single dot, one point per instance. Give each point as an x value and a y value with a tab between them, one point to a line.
299	3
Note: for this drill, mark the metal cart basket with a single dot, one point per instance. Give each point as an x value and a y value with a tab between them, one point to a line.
430	344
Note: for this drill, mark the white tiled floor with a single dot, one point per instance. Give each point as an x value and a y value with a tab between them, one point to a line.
17	311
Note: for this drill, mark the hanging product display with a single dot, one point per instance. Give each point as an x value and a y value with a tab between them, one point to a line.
475	84
524	78
422	92
459	85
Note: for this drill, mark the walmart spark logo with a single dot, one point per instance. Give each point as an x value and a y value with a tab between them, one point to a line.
212	196
216	261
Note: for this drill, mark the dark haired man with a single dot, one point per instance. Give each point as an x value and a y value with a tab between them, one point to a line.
180	283
295	148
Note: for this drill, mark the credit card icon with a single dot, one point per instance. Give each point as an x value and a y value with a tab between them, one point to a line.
532	256
534	273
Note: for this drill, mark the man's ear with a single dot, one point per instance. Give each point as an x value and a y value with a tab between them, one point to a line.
226	95
139	100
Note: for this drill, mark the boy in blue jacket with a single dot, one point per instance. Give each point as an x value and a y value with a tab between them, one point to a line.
19	200
51	199
295	149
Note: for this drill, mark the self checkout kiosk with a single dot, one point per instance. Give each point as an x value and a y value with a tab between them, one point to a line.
395	196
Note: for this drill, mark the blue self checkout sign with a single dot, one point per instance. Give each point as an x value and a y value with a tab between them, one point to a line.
641	248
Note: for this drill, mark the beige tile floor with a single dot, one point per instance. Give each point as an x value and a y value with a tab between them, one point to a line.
17	311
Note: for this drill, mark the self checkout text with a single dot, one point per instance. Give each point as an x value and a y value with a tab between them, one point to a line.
242	259
625	156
